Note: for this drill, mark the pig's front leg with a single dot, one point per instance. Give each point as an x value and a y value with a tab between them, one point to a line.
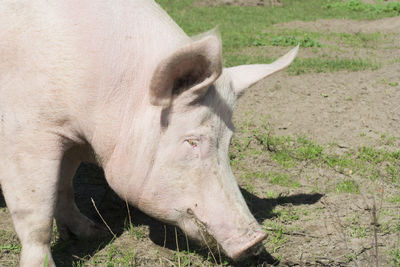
71	222
29	176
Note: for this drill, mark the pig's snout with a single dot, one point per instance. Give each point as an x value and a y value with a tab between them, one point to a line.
249	244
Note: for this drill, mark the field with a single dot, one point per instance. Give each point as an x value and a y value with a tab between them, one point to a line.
316	150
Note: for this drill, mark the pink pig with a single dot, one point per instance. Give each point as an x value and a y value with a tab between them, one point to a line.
120	84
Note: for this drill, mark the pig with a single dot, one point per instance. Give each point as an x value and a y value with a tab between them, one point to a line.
118	83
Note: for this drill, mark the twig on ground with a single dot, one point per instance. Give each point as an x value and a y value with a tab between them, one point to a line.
219	253
339	227
375	226
165	235
129	213
101	217
167	260
205	241
177	248
187	247
291	233
82	259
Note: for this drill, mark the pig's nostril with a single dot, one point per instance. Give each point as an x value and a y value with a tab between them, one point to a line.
252	248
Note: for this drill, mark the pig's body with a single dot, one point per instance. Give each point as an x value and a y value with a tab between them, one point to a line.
118	80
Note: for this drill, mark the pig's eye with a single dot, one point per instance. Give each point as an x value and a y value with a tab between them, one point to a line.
192	142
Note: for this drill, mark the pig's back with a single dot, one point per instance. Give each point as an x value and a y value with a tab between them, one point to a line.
59	58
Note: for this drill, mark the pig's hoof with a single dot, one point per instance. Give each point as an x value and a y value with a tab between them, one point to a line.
85	229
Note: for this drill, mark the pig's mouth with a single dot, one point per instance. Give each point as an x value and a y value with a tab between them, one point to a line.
237	248
201	228
248	244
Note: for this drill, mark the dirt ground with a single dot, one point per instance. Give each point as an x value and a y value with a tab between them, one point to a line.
350	109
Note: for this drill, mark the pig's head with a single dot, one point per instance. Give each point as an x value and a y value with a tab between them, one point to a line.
190	182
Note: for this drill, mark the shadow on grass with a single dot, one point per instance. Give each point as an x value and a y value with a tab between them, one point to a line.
89	183
262	208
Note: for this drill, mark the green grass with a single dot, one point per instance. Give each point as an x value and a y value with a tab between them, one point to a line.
395	199
358	39
117	256
287	38
358	231
243	27
281	179
9	242
134	231
314	64
276	235
310	39
111	256
287	215
289	152
10	248
308	150
347	186
391	8
329	64
368	162
396	257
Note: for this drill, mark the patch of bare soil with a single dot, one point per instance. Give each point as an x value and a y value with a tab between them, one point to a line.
350	109
237	2
386	25
337	106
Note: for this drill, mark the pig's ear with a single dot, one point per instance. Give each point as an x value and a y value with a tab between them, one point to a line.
246	75
193	67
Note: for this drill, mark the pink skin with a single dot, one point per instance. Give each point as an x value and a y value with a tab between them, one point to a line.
190	182
121	81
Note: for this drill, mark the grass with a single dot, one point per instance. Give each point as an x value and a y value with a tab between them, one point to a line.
307	39
276	235
243	27
311	39
281	179
368	162
287	215
316	64
396	257
359	39
134	231
395	199
118	257
347	186
9	242
391	8
10	248
321	64
288	38
111	256
358	231
289	152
